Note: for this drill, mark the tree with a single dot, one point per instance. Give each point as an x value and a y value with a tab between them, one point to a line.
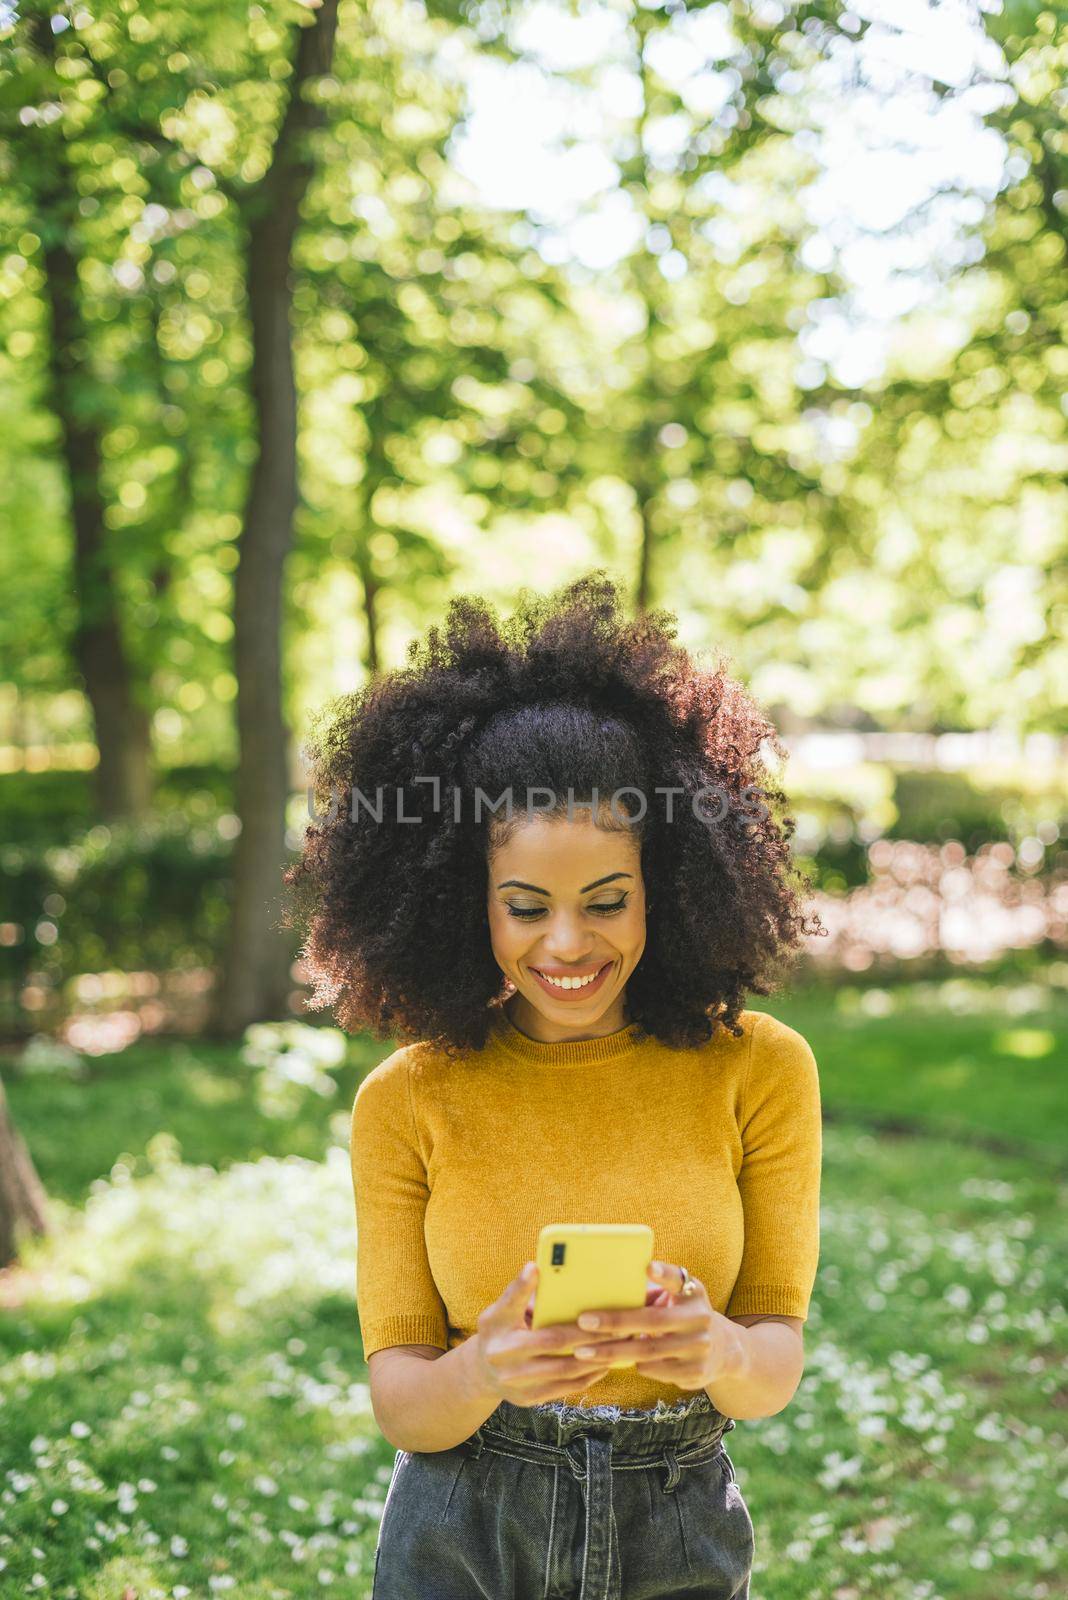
54	115
23	1204
255	979
697	319
956	479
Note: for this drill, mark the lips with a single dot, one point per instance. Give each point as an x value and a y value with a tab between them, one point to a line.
569	995
569	972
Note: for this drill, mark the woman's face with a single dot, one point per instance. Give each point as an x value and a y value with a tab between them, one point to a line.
566	899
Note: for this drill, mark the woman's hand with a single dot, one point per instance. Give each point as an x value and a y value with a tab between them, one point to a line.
684	1342
530	1366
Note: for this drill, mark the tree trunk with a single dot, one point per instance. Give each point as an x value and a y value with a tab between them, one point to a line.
370	586
22	1196
123	780
255	982
645	555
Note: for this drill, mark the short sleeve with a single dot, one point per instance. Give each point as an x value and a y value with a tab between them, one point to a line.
779	1180
397	1299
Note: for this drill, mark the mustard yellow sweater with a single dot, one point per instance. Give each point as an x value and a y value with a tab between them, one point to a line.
458	1165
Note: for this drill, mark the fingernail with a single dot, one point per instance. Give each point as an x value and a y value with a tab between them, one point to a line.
585	1351
656	1266
588	1320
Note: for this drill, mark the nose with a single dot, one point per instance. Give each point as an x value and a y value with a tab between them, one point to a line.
568	940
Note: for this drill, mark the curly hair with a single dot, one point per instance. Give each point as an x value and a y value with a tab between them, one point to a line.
568	696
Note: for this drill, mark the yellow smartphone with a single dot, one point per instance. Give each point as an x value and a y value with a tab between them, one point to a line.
590	1266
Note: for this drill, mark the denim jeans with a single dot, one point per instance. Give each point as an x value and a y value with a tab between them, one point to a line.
558	1502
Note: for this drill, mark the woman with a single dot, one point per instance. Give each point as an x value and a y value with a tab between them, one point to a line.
571	981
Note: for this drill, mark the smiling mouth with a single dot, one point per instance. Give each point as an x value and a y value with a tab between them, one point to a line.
572	990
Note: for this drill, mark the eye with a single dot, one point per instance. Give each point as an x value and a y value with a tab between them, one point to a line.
527	913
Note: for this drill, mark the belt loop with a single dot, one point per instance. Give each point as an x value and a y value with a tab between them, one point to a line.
475	1443
674	1470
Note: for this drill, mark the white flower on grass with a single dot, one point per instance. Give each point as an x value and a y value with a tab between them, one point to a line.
840	1469
292	1057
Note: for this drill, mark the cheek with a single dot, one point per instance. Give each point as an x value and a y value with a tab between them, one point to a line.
506	933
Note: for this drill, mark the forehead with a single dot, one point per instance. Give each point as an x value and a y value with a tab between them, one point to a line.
560	854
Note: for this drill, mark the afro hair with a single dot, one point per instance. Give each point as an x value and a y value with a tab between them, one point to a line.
571	697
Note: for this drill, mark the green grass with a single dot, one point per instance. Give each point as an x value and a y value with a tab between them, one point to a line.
202	1095
183	1404
969	1060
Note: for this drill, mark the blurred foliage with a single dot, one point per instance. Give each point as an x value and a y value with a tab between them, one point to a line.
936	806
476	412
474	415
955	460
141	897
41	808
295	1060
47	808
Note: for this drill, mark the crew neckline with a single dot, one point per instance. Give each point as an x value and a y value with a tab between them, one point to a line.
565	1052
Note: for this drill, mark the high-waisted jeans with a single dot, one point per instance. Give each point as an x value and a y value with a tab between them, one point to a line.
558	1502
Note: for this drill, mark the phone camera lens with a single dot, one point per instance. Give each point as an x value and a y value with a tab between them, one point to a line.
558	1254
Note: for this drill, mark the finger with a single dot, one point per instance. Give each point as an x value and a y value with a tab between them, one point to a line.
553	1369
521	1348
645	1319
560	1338
645	1347
670	1276
517	1292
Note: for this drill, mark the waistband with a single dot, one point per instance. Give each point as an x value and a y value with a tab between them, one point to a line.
639	1435
594	1441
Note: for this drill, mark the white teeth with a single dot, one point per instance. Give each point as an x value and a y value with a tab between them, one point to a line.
569	983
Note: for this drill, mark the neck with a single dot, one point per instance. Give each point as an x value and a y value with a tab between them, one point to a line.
535	1025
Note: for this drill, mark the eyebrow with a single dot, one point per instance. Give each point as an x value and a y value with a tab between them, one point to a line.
515	883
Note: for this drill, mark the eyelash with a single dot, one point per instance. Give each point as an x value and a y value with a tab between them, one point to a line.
536	911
